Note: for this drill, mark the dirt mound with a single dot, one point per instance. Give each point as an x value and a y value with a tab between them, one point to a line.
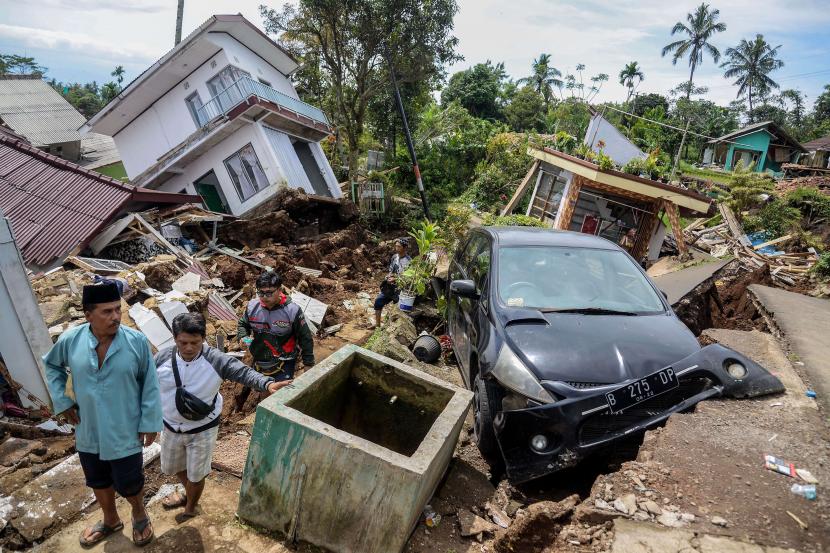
277	226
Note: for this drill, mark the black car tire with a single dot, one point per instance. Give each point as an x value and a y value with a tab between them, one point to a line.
486	401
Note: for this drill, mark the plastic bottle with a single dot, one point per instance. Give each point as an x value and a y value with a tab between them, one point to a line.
431	518
804	490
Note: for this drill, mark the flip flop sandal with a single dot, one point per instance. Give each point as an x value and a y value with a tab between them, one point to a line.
138	527
173	505
103	532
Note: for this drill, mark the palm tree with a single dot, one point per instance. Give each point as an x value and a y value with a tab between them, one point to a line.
118	73
543	77
630	72
750	63
702	26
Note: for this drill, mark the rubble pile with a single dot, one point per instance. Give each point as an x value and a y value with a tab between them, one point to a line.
822	182
728	239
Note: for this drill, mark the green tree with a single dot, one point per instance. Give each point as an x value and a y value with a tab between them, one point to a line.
579	90
109	91
13	64
821	109
702	26
543	77
477	89
526	112
644	102
358	41
795	99
570	115
629	73
118	73
750	63
745	188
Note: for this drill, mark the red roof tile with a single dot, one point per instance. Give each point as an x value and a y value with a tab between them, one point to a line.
56	206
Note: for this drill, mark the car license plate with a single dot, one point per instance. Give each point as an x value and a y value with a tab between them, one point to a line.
641	390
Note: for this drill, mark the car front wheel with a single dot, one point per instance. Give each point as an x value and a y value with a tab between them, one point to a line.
487	402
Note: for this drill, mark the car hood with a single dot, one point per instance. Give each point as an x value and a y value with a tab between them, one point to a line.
599	349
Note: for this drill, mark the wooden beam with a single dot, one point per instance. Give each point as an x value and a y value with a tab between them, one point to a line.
771	242
676	229
569	203
522	189
734	226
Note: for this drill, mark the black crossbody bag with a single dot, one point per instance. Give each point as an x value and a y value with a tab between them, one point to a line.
189	406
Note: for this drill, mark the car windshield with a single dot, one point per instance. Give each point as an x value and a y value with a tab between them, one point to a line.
564	278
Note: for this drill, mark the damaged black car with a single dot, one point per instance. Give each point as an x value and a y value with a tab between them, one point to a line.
569	348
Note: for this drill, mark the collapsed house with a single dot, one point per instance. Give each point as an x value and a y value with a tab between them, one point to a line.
38	113
570	193
218	116
765	145
57	207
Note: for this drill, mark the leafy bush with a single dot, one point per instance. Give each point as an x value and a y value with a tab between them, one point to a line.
415	277
774	217
604	161
810	201
503	169
515	220
564	142
745	189
822	266
454	226
635	166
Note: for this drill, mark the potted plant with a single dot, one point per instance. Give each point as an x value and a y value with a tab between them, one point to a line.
413	281
564	142
635	166
604	161
582	151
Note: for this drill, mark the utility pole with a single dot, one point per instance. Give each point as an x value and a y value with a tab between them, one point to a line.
680	149
409	143
179	14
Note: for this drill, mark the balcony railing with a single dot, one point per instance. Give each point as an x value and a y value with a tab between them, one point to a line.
246	87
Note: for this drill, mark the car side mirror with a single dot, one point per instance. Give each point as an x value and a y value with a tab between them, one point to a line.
464	289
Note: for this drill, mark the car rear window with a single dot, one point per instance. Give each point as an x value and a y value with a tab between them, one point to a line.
553	277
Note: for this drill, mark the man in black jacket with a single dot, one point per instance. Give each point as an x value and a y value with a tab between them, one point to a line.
187	444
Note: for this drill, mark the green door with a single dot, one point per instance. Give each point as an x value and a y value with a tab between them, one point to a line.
206	187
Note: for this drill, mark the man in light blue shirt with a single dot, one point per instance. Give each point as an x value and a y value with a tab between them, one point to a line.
116	410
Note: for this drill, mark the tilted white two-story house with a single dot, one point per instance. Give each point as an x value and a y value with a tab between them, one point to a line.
218	116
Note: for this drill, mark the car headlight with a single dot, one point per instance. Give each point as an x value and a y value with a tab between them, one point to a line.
512	373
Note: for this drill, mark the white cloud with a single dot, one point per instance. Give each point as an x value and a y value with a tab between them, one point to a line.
76	43
606	35
111	5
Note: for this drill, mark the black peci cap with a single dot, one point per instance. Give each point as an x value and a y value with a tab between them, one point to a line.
104	292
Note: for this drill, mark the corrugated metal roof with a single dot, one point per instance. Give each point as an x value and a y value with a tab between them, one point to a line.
822	143
32	108
56	206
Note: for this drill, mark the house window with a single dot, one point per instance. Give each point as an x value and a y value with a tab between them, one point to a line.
194	106
223	87
246	172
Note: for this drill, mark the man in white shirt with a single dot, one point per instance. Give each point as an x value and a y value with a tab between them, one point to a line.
190	374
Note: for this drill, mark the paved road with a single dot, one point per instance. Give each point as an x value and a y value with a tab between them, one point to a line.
805	323
679	283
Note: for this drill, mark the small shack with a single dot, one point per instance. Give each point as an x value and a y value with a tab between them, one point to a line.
570	193
819	153
765	145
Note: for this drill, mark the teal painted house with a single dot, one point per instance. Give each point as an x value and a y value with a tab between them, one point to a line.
764	144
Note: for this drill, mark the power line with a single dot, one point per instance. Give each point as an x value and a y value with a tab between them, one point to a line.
675	128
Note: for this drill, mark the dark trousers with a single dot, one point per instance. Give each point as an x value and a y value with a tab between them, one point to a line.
126	475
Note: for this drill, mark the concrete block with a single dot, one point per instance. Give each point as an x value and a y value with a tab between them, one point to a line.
347	456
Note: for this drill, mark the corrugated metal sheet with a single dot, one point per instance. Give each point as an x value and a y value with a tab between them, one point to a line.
55	205
32	108
98	150
290	166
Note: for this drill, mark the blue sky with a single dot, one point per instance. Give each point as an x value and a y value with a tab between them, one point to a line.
82	40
